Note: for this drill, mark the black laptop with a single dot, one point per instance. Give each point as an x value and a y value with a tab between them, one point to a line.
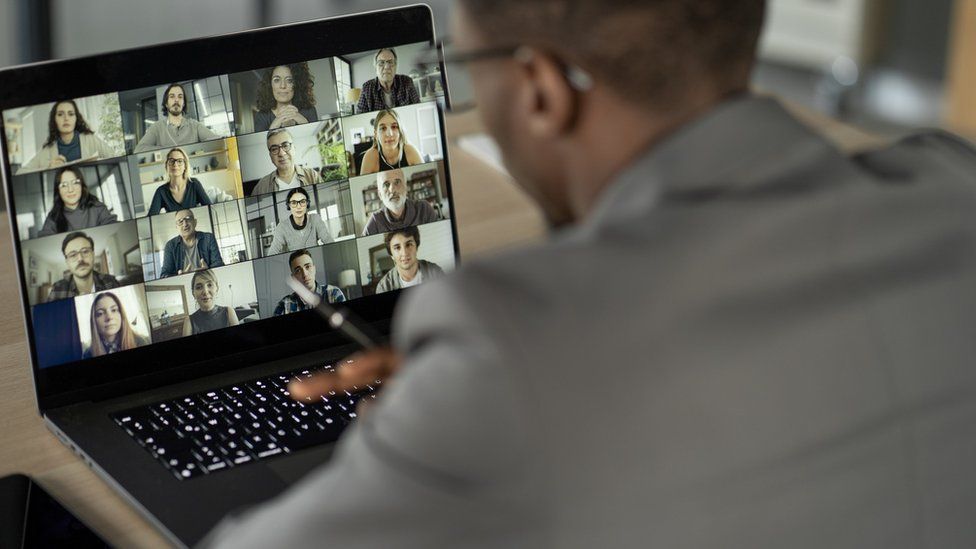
159	200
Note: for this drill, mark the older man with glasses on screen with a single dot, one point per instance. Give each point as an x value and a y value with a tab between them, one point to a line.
286	174
737	336
191	249
79	255
388	89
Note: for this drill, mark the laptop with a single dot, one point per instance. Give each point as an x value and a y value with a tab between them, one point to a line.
159	200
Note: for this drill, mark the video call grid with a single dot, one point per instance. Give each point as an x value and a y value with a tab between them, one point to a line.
124	163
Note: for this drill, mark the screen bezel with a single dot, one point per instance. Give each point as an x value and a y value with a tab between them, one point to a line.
268	339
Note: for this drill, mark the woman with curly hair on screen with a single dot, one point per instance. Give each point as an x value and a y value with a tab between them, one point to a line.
285	97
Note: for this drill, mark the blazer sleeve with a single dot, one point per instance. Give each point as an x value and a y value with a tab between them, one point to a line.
213	253
169	260
419	477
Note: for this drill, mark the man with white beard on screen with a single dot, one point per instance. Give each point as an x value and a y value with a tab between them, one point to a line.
398	211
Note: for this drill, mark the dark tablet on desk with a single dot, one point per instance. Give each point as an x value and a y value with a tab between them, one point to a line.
30	517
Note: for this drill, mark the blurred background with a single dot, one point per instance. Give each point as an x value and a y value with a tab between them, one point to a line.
885	65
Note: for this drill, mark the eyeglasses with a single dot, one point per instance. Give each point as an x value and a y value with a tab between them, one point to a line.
453	63
386	63
69	184
288	81
284	147
73	256
185	220
175	162
301	202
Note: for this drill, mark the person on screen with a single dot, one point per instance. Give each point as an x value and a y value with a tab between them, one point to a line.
303	270
398	210
79	255
176	127
286	174
388	89
69	139
190	250
402	245
301	229
209	315
286	97
181	191
74	207
110	328
390	149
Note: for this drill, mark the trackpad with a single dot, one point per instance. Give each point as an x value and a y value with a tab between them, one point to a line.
297	465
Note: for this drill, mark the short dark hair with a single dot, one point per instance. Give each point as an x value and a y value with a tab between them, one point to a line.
73	236
166	94
296	254
381	50
293	192
407	232
652	52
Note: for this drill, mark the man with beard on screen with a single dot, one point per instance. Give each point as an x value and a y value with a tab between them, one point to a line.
398	211
175	128
79	253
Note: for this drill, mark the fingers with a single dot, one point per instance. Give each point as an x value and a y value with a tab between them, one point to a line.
359	370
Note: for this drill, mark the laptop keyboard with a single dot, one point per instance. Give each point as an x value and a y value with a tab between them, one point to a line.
210	431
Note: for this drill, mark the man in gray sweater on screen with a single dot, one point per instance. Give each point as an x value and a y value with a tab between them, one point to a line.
737	336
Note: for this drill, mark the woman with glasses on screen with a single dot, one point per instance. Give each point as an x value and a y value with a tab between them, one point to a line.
181	192
74	207
390	148
209	315
110	328
285	97
69	139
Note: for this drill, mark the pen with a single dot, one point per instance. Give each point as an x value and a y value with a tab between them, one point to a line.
341	320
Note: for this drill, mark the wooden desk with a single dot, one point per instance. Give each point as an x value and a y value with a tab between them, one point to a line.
492	214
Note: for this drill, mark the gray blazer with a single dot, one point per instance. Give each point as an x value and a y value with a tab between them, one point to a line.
753	341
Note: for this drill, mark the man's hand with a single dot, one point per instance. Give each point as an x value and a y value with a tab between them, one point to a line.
354	373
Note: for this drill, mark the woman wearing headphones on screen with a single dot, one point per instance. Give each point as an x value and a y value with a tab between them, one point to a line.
390	148
285	97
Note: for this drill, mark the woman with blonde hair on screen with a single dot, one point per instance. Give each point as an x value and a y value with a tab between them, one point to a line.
390	148
110	328
209	315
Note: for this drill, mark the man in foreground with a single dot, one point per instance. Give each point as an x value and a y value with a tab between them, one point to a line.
783	357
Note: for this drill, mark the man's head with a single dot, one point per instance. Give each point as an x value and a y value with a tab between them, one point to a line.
279	147
79	252
385	62
174	100
297	202
402	246
302	268
186	223
392	187
652	66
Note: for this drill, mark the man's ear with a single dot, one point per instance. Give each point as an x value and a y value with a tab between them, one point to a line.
551	99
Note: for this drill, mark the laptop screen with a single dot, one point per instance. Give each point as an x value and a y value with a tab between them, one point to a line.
158	213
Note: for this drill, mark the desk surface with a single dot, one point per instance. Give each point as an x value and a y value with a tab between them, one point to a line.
492	214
